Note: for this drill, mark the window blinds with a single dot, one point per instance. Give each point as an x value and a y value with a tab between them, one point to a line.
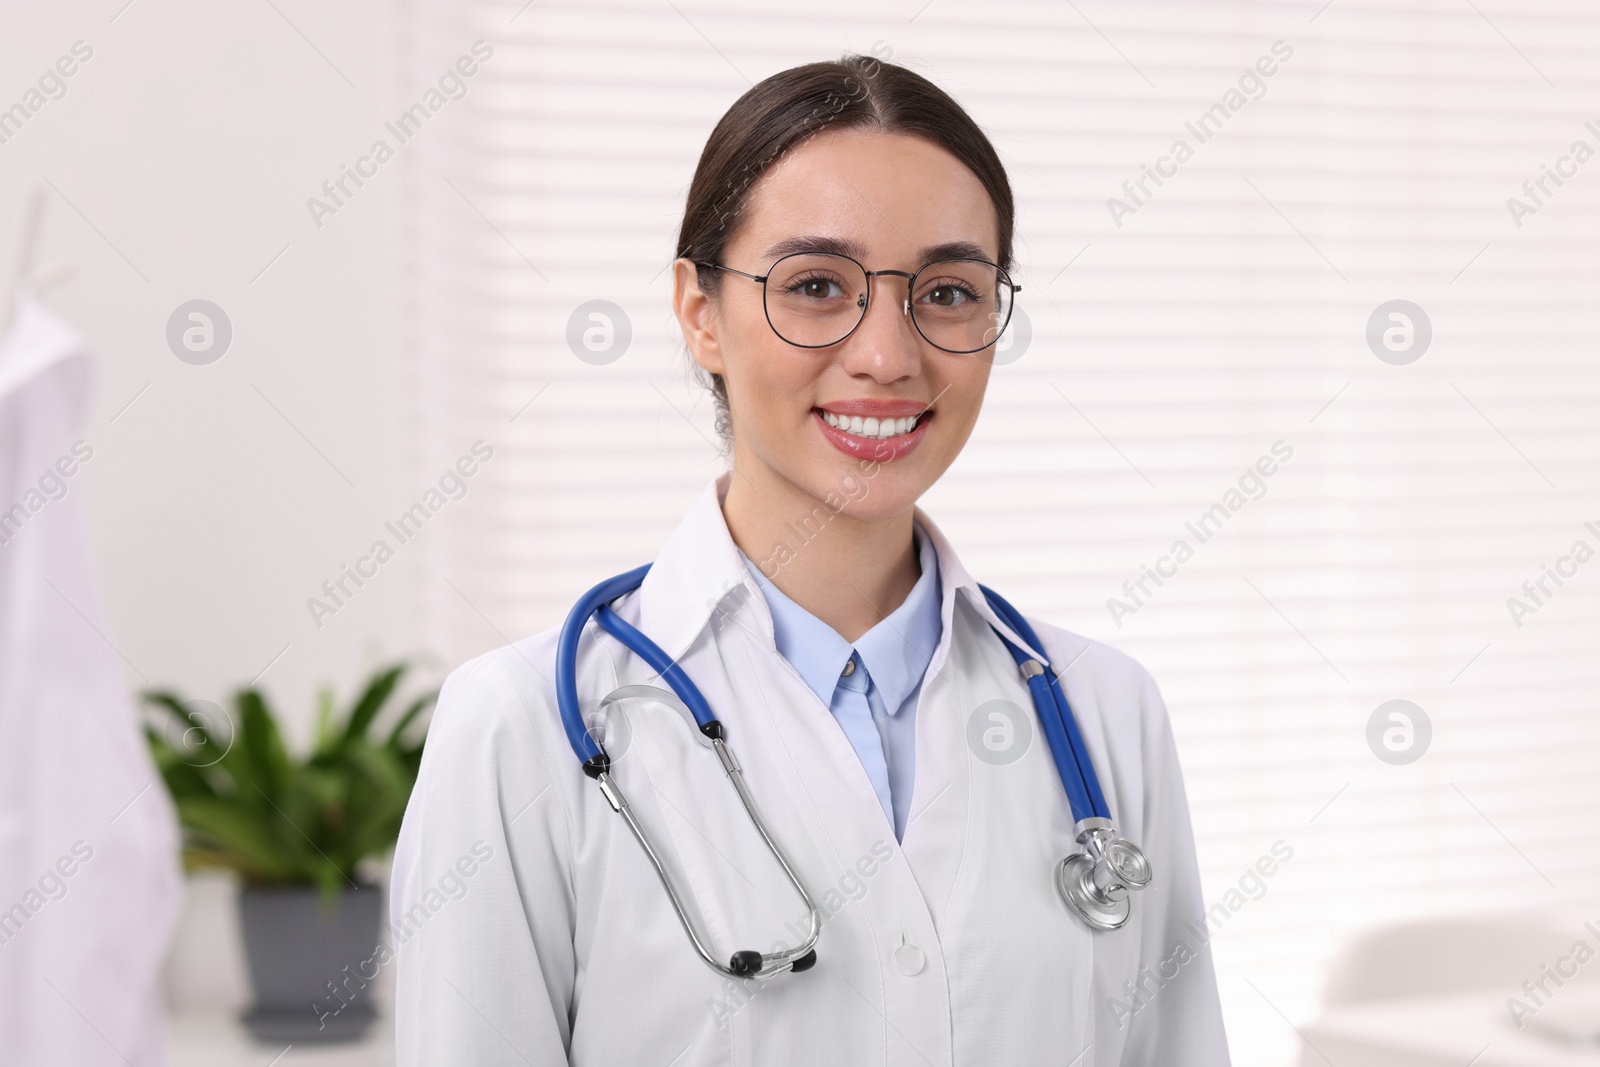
1194	317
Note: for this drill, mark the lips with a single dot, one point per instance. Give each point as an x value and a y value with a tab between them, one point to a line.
874	430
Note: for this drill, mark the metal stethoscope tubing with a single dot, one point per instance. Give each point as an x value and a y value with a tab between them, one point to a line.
746	963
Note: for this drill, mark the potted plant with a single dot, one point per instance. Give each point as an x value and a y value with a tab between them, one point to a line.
296	831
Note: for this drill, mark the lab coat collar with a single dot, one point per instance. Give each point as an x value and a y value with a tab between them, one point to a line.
956	580
699	569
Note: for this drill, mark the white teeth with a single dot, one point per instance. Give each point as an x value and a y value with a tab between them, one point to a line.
874	428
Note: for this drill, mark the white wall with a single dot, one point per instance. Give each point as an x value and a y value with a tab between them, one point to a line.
181	157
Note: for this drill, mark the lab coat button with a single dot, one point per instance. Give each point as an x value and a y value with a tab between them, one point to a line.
908	959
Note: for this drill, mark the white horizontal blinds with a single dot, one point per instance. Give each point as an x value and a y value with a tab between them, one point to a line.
565	181
1227	313
1207	328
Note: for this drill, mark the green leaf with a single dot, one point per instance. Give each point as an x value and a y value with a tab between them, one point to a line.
167	699
371	702
182	778
423	702
261	746
385	788
326	735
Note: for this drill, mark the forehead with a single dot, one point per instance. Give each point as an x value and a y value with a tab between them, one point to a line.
888	199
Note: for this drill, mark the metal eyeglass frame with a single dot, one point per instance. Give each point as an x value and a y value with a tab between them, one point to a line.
865	301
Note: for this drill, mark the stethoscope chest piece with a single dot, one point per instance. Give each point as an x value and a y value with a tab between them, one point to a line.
1095	883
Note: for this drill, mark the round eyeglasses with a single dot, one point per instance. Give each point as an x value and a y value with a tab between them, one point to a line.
817	299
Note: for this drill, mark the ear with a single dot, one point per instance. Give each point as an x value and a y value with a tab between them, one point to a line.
696	316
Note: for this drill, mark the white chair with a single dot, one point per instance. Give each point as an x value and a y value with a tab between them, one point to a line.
1433	993
1428	956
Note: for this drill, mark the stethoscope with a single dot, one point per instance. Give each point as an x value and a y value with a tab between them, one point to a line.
1095	882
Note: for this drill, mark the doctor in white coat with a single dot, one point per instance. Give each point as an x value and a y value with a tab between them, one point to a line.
841	282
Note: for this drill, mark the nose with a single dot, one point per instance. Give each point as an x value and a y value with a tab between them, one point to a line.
885	346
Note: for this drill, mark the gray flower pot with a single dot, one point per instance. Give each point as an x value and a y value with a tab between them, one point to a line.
312	972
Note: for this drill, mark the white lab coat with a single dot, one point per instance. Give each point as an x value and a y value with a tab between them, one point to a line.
532	930
89	878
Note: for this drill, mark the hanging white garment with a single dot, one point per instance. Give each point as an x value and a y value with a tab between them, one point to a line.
89	878
531	929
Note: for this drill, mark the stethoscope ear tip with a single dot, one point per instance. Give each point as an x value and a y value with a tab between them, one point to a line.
745	963
748	963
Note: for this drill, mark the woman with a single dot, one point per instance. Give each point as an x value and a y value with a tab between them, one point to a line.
864	683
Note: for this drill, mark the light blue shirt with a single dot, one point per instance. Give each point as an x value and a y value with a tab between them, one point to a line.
875	704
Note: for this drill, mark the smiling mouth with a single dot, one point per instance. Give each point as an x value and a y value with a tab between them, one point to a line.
872	429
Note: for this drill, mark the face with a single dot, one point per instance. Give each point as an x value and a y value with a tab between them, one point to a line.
794	410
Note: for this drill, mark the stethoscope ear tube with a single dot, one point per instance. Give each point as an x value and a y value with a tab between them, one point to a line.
589	754
1095	883
1055	717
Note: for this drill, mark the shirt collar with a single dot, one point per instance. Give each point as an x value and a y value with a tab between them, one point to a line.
699	578
895	652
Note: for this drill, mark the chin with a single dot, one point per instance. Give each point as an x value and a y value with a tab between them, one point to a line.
870	491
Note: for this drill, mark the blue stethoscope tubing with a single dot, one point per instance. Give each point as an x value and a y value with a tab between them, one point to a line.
1056	720
594	604
1094	882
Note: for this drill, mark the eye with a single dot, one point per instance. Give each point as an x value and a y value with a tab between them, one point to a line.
816	287
949	294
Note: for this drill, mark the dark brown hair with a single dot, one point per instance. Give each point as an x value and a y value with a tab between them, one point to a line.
780	112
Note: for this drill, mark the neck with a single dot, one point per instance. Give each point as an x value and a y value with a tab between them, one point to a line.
851	573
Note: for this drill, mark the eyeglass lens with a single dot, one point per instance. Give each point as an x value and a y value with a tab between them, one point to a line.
816	299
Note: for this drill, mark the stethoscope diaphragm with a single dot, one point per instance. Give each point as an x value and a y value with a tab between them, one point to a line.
1095	883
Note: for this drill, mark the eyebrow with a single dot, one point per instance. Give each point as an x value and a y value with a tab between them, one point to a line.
844	246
